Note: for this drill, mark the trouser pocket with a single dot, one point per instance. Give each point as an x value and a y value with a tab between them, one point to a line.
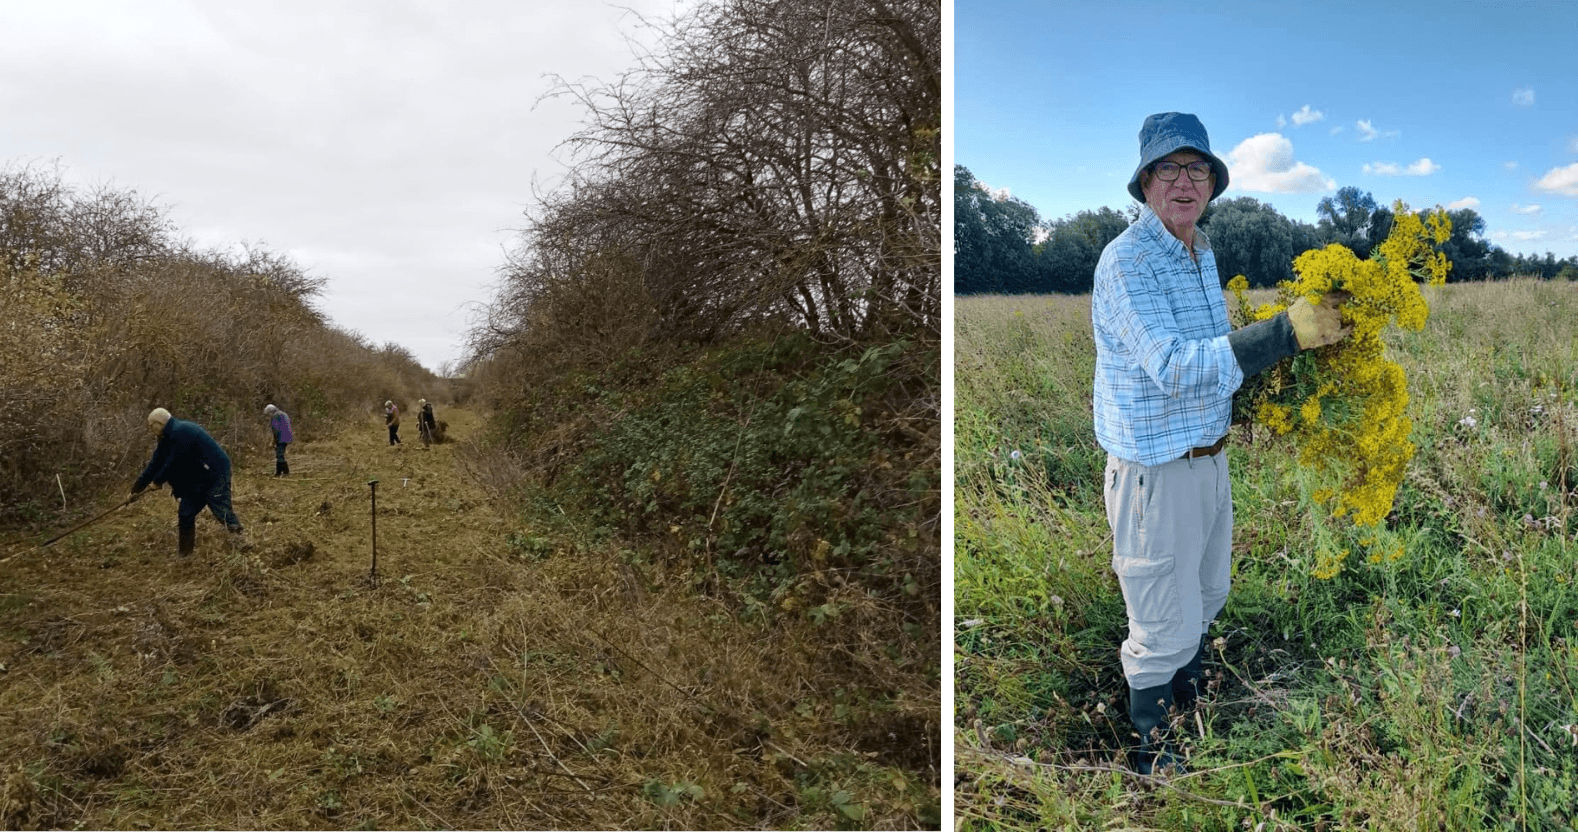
1150	591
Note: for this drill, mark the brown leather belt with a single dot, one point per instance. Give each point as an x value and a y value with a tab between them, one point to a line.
1209	450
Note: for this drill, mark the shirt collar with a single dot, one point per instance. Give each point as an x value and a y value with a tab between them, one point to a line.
1151	224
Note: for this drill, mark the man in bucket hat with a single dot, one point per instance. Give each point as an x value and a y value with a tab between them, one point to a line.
1167	364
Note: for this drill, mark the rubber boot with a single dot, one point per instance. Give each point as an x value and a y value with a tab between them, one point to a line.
285	464
187	533
1186	682
279	467
1148	709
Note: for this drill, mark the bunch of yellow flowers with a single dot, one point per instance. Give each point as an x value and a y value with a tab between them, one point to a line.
1343	405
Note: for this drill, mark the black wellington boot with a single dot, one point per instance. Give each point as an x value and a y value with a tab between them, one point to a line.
1148	709
187	533
285	464
1186	682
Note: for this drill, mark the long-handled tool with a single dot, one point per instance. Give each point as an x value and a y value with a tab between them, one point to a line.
84	524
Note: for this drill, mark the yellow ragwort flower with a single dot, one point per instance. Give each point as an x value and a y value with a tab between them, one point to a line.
1353	428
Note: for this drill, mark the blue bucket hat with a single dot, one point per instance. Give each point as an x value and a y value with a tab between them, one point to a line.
1165	133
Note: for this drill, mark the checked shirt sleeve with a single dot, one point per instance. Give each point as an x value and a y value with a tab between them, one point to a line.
1165	371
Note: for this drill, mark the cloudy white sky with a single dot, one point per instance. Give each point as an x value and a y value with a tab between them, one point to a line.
1434	102
388	146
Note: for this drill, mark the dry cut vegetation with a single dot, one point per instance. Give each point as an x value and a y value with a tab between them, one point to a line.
490	678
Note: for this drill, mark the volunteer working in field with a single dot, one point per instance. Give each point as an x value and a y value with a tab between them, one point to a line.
1167	364
198	471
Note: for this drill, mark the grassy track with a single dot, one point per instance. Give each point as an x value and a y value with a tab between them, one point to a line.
1439	691
497	676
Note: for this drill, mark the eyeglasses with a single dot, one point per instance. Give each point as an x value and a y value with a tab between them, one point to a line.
1168	171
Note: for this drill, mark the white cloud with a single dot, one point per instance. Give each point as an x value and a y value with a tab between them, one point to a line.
1518	236
1281	122
1368	133
1336	130
1307	116
1465	202
1523	98
1510	165
1560	181
1265	163
1423	167
1573	145
1525	209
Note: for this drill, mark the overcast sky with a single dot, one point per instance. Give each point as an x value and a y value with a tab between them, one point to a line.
1434	102
390	147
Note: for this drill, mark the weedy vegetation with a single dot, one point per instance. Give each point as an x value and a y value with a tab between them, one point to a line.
1434	690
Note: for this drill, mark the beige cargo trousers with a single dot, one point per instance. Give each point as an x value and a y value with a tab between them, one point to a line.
1172	534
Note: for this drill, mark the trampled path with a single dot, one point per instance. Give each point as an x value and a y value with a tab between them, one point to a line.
494	677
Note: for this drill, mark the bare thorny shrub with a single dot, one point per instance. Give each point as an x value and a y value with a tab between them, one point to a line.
771	172
771	166
776	161
109	314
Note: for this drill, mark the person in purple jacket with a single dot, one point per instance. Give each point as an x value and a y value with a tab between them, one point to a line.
279	423
198	471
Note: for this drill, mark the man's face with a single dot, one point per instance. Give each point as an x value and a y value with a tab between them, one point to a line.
1178	203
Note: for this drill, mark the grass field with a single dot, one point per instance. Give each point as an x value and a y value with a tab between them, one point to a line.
1438	691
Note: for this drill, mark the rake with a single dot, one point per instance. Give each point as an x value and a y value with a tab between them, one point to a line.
84	524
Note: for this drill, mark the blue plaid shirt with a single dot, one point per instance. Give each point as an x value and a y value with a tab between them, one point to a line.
1165	374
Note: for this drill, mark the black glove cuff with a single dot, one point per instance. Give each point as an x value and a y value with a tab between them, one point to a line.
1263	344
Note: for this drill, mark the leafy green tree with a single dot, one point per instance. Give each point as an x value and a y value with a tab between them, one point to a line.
991	239
1067	258
1253	239
1347	220
1498	263
1381	221
1470	254
1066	262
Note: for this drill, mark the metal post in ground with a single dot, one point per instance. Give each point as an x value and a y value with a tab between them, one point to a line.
373	575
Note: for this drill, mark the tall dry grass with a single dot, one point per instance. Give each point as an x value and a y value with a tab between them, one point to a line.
1437	691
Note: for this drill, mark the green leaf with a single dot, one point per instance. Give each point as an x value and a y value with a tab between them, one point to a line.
853	811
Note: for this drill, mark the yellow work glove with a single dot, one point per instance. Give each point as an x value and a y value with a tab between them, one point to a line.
1317	325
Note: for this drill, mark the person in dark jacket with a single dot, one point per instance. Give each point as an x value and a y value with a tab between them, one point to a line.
198	472
425	422
279	423
392	419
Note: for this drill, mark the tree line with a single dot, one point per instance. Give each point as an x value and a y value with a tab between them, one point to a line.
1002	245
109	311
750	228
717	346
770	163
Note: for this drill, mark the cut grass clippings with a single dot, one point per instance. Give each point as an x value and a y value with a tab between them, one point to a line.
477	683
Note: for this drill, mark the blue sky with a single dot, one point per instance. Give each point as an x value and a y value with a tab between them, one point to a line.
1442	103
